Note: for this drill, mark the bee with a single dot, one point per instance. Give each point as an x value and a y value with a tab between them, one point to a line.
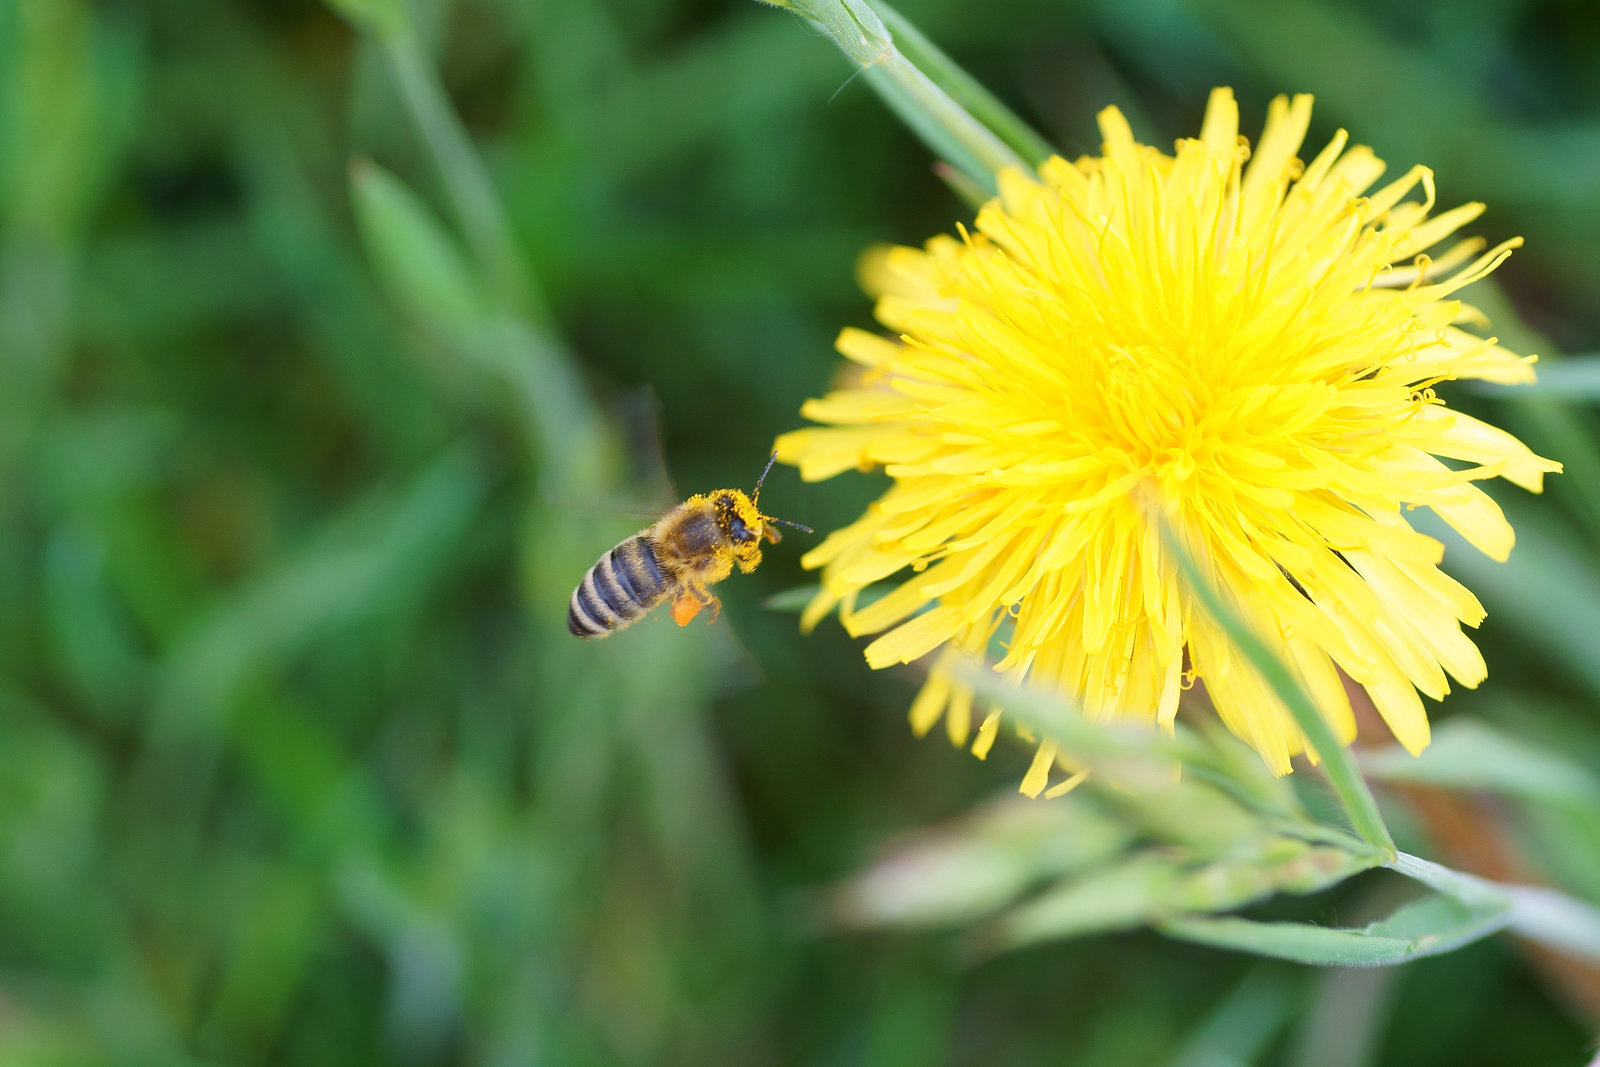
689	549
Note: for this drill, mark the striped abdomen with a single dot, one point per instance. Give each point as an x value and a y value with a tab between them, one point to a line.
626	583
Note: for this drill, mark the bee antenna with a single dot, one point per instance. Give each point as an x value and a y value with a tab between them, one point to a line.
786	522
755	497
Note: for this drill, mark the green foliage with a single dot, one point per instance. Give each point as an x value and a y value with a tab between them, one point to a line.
316	328
1576	379
1425	927
1174	855
1466	754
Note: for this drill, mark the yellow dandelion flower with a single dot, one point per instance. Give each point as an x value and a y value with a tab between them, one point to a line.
1247	342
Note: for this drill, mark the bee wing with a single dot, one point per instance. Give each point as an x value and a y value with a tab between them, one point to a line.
639	415
644	490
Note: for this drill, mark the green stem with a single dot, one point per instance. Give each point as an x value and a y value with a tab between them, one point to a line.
1554	919
1337	762
1534	912
516	340
943	124
473	198
964	89
1463	887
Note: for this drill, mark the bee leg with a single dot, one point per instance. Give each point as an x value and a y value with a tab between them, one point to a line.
685	608
691	602
771	533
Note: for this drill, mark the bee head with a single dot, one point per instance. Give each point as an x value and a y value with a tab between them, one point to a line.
738	517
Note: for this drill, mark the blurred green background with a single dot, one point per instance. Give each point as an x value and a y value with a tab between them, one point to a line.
313	411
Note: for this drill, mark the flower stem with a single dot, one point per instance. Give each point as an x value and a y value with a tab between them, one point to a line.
1535	912
948	128
964	89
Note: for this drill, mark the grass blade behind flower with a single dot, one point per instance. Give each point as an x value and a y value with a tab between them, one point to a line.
1337	762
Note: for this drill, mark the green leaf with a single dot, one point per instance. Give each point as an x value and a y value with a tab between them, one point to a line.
1575	378
1269	865
1241	1027
792	601
1160	883
1145	753
1163	888
1548	592
1182	811
1117	896
1555	919
1429	926
368	561
1236	767
971	868
1470	754
382	18
1535	912
419	264
468	188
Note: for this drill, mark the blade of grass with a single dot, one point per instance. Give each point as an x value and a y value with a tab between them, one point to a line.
1554	919
917	105
1547	423
1574	378
389	546
1468	754
1151	750
1162	884
1337	762
477	206
419	264
949	129
1244	1022
965	90
1548	591
1139	756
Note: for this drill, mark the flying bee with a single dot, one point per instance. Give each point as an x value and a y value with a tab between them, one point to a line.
689	549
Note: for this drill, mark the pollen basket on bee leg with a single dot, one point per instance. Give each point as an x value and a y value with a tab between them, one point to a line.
685	608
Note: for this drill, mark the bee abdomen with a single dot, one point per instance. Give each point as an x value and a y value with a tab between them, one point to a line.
626	583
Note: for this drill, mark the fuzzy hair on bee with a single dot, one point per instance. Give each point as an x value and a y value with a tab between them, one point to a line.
678	558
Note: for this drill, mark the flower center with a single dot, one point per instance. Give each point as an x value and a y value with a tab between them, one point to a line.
1151	409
